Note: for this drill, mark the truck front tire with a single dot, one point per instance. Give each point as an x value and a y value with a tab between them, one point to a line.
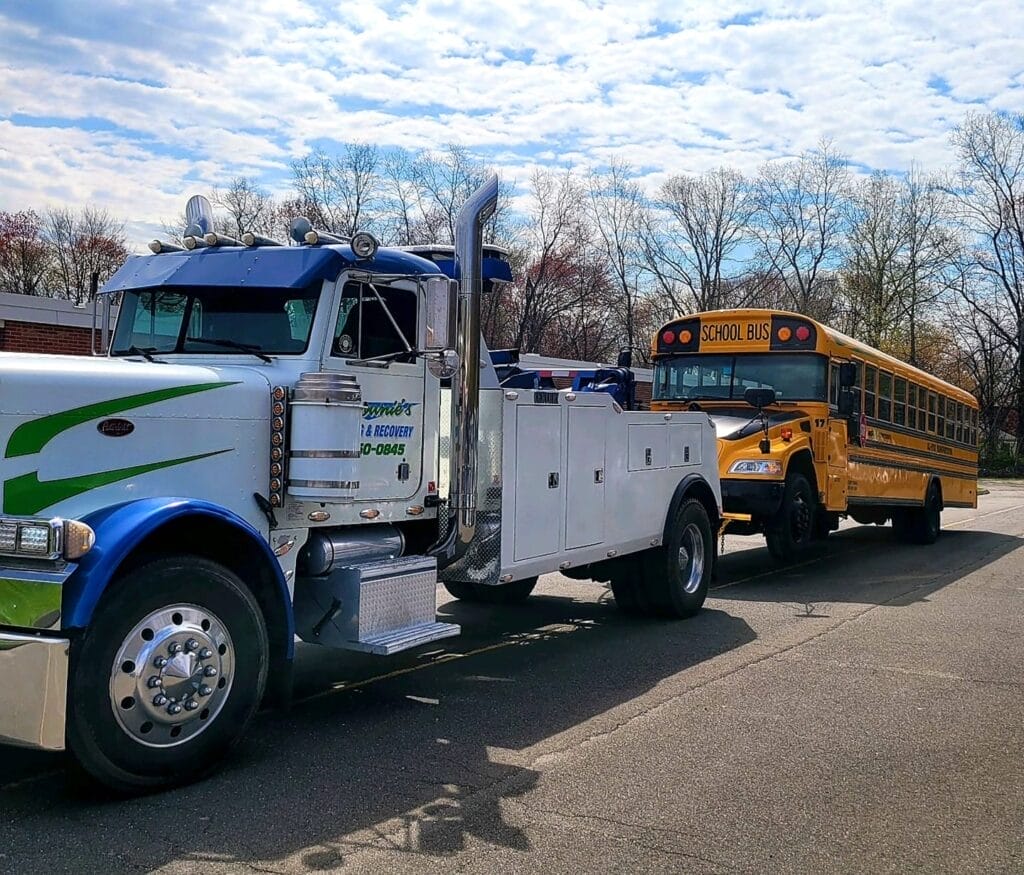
167	676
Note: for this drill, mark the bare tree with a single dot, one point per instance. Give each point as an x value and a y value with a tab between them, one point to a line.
699	224
339	194
798	223
81	244
24	254
248	207
618	214
991	197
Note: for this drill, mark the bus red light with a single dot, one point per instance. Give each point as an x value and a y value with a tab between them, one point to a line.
669	337
784	334
803	332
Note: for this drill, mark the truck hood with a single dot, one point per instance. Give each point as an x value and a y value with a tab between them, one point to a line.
79	433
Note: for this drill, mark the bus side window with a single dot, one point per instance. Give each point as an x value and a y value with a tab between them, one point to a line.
959	423
899	407
884	396
869	390
931	411
974	428
912	405
922	409
950	419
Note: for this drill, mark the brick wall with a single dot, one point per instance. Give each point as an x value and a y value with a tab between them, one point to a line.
35	337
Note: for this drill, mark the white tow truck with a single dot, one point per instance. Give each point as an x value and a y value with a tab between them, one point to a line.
299	442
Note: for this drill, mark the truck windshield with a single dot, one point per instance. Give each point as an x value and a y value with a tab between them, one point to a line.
715	377
215	320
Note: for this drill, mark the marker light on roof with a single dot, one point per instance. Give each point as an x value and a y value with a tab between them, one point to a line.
803	332
364	244
784	333
685	336
669	337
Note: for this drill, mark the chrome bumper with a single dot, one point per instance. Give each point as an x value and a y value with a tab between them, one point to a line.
33	690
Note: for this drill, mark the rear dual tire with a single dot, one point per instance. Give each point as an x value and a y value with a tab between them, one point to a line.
672	580
513	593
920	525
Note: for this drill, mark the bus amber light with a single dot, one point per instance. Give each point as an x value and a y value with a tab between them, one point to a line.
685	337
784	334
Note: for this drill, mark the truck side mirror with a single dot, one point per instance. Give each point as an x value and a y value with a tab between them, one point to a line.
625	359
440	297
847	375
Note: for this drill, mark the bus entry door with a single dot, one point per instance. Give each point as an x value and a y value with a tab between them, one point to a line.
836	487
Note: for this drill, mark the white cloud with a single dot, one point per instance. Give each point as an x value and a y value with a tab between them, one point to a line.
135	110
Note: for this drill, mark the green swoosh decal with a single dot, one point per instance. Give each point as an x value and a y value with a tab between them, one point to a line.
27	495
30	437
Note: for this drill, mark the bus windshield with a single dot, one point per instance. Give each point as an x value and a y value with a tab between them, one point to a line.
725	377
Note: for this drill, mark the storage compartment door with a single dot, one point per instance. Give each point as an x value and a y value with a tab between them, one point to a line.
539	487
648	447
584	510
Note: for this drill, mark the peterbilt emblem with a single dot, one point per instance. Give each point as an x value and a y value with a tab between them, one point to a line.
115	427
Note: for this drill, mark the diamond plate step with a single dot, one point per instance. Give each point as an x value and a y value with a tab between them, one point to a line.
387	643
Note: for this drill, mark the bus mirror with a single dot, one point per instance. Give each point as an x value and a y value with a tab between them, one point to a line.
439	301
847	375
846	399
759	398
625	359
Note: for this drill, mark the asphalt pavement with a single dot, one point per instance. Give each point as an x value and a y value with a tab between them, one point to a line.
860	710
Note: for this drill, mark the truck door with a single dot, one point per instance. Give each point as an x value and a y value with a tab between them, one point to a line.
373	323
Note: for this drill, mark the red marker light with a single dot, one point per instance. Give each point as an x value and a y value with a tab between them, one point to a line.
669	337
803	332
786	433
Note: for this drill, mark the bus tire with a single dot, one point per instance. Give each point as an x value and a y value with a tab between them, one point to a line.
676	576
790	531
513	593
926	522
167	676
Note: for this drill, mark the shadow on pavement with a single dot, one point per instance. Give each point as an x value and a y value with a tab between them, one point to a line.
394	760
862	565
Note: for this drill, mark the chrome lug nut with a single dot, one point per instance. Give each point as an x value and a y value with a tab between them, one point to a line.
174	647
210	671
191	645
174	708
191	705
159	700
159	662
205	653
205	690
154	682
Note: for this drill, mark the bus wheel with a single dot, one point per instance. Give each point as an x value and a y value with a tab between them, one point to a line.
499	594
922	525
792	528
167	676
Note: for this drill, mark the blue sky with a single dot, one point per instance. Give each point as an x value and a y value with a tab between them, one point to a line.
134	106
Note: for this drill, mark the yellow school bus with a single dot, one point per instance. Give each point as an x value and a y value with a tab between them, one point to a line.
813	425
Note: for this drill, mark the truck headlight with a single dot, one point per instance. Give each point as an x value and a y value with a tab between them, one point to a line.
756	466
45	538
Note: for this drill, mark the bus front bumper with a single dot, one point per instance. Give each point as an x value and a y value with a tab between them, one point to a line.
33	690
759	498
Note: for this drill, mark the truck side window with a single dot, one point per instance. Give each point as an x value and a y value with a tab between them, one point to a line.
364	330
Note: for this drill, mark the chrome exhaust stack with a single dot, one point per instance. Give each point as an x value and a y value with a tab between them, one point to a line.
466	393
